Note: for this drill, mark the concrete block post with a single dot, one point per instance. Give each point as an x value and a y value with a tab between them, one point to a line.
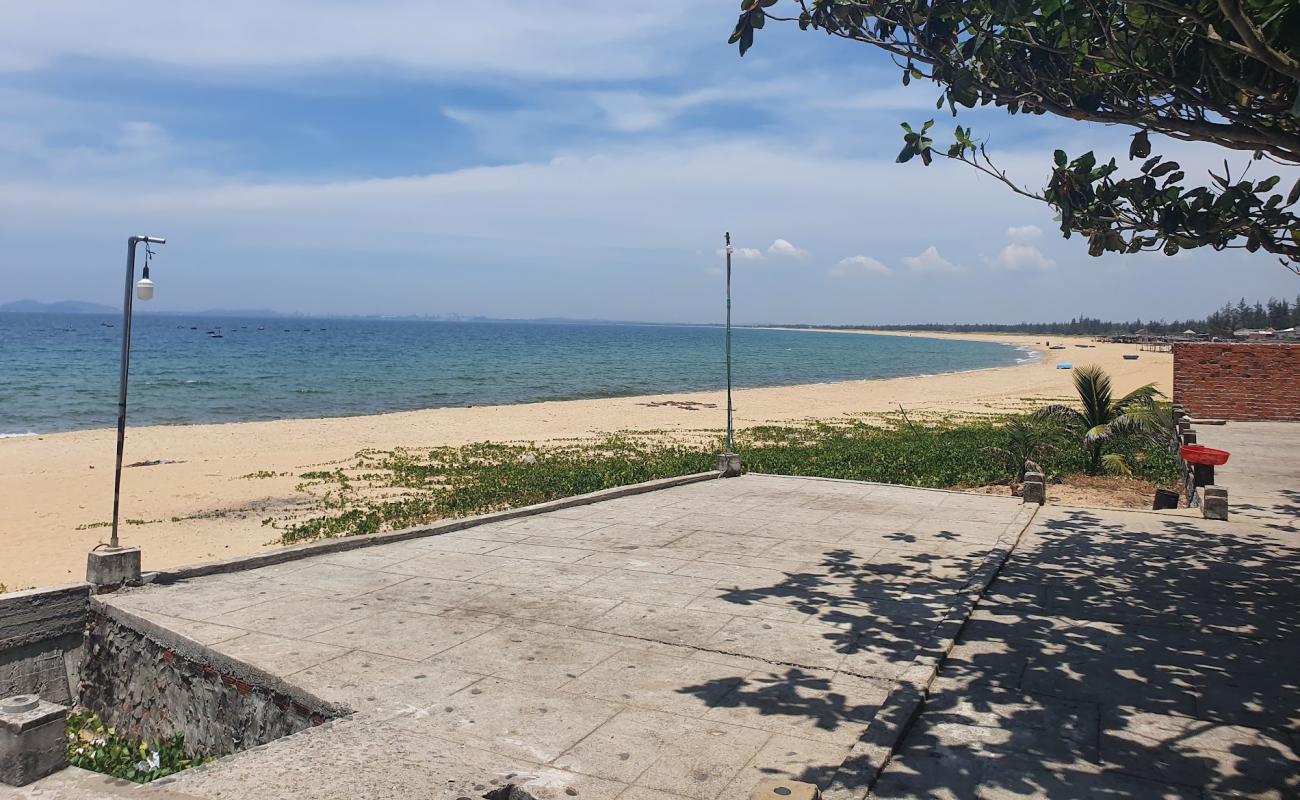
1034	489
33	739
113	567
1203	475
729	465
1214	502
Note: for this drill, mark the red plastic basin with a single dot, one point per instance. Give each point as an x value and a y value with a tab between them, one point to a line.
1200	454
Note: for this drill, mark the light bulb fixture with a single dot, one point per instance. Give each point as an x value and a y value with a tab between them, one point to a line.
144	289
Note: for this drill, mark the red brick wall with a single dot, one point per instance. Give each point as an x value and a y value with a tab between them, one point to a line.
1238	381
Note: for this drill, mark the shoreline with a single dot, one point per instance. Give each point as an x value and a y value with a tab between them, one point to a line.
1037	353
52	483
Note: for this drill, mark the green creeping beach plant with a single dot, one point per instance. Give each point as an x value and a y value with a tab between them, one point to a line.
406	487
94	746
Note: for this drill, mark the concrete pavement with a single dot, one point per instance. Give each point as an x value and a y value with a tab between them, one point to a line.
684	643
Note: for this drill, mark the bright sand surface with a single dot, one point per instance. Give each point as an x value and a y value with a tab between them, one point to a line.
50	485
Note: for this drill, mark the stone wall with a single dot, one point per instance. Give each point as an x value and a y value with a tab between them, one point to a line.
151	683
1238	381
41	635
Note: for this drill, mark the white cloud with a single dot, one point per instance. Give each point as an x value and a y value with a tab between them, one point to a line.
781	247
1016	257
858	265
743	253
1023	233
583	39
597	235
929	261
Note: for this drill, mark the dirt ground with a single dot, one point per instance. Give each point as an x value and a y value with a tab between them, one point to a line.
1091	491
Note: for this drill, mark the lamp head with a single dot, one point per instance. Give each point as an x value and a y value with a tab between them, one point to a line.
144	289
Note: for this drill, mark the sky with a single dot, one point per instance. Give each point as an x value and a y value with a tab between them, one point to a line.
575	158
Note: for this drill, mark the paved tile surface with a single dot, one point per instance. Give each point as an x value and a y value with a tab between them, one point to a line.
1263	472
684	643
1131	655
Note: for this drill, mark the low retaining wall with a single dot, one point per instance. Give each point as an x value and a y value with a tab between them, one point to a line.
1246	381
151	683
41	636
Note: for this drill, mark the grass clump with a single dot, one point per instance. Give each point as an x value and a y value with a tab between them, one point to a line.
94	746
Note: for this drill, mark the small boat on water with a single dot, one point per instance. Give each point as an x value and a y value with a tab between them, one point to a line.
216	333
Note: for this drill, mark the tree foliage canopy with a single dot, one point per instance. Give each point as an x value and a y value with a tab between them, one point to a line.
1219	71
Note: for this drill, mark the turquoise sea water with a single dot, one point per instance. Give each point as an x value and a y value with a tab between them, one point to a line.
59	372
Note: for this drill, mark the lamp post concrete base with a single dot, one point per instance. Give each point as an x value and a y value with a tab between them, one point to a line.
113	567
33	739
729	465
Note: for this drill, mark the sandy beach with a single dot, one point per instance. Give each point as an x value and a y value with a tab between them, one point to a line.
53	484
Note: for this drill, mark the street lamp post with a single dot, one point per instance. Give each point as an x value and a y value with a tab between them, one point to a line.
729	462
114	564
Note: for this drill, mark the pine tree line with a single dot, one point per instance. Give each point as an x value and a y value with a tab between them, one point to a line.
1276	314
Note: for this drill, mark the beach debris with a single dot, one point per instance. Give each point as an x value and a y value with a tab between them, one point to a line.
155	462
685	405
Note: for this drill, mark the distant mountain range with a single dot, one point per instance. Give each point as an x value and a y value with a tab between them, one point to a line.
61	307
79	307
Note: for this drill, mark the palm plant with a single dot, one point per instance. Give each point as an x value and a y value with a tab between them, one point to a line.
1027	440
1103	418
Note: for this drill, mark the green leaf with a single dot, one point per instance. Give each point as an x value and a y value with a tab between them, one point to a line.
1140	147
746	39
1164	169
1060	158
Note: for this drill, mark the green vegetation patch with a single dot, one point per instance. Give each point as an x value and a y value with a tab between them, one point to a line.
394	489
94	746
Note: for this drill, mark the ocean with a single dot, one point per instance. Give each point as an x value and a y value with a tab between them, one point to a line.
58	372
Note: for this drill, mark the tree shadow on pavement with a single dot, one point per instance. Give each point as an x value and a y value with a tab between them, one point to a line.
1116	654
1120	655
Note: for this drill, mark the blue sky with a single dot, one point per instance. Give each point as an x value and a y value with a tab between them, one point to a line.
526	159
